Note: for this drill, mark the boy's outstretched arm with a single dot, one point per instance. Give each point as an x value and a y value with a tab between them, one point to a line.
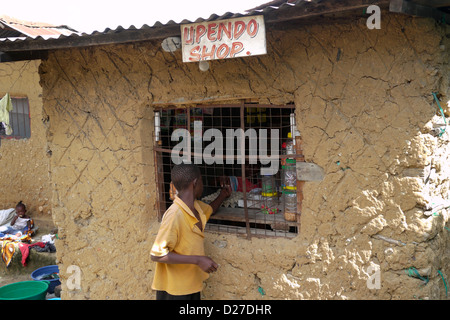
205	263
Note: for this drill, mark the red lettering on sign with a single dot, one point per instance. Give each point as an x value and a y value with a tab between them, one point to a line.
222	51
209	55
236	47
199	32
239	28
212	31
222	39
224	29
188	35
195	54
252	28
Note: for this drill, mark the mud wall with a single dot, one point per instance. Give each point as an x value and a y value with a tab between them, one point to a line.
367	116
24	165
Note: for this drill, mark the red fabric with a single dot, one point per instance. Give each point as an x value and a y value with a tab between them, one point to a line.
25	249
248	185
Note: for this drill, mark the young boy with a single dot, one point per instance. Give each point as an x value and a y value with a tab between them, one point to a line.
181	263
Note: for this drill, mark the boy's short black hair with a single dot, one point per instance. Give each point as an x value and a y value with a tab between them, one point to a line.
183	174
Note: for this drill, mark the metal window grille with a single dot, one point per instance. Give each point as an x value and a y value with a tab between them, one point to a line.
245	213
19	120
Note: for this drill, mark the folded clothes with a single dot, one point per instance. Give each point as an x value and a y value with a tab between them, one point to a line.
48	238
48	247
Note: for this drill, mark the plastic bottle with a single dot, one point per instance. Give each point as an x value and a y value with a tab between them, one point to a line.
290	205
289	175
290	148
269	192
289	182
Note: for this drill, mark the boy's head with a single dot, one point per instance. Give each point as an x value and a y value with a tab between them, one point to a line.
21	209
184	175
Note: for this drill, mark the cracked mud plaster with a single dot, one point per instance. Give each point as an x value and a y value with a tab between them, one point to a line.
365	118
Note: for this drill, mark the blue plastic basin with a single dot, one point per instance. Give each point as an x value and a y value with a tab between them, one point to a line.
44	271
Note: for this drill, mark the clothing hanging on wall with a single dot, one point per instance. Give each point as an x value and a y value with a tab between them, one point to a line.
6	107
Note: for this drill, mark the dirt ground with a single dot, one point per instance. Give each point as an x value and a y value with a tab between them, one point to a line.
8	279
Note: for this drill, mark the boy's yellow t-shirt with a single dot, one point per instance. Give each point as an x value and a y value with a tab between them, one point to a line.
179	233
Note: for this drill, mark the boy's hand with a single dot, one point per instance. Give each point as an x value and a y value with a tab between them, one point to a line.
207	264
225	191
223	181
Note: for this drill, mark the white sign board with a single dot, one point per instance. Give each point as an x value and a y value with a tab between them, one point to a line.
223	39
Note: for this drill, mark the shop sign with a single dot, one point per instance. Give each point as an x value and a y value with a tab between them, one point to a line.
223	39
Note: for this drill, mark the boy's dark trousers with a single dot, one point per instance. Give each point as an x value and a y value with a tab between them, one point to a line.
163	295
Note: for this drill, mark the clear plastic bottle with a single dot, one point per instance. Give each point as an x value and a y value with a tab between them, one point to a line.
289	175
290	205
290	148
289	187
269	192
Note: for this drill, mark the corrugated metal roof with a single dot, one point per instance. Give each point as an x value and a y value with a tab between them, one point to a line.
273	11
156	30
19	29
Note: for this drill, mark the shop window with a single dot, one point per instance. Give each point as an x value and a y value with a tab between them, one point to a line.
19	120
231	144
